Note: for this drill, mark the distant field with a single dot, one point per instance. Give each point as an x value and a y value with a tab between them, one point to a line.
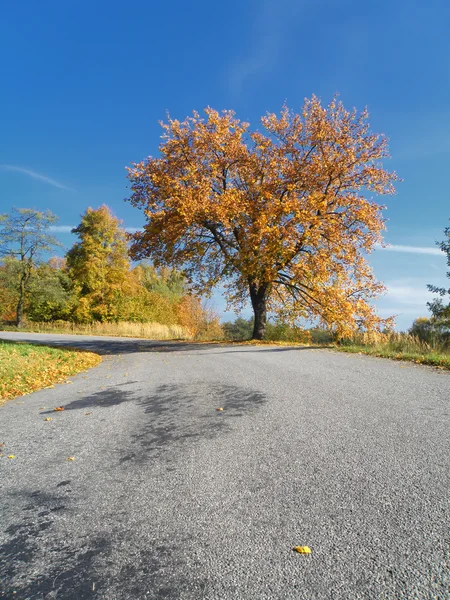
25	368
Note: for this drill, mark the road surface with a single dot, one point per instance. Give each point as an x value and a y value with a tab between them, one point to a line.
167	497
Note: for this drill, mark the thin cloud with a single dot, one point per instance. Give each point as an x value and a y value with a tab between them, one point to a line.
397	311
274	19
61	228
407	294
68	229
411	249
35	175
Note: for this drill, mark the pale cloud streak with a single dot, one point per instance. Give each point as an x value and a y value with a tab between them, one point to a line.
411	249
68	229
409	294
60	228
35	175
274	19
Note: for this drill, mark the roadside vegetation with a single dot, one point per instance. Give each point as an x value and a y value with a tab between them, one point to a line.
94	288
25	368
425	343
152	331
399	346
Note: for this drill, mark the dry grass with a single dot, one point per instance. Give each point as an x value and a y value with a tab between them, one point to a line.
152	331
25	368
399	346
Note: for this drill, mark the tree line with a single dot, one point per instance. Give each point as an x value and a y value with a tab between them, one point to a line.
94	281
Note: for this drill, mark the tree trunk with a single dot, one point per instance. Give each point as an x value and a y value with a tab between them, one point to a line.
21	301
259	301
19	309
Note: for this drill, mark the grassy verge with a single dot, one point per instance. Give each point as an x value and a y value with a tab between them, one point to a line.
399	346
436	360
25	368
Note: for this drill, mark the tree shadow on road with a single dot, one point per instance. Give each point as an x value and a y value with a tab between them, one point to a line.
39	560
179	414
102	399
35	565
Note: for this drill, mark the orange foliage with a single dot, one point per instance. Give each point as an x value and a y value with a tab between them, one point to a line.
279	214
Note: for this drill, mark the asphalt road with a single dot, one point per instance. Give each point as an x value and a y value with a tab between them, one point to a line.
169	498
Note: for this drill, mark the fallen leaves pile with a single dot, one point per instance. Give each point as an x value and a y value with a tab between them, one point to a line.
26	368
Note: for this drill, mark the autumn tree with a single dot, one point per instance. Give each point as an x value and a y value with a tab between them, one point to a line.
24	239
99	266
438	308
167	282
278	215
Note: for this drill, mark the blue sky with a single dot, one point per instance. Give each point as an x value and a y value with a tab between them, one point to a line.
85	83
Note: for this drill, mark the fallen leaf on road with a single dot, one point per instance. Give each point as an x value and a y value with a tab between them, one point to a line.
11	456
89	413
69	381
48	419
302	549
219	409
58	408
71	458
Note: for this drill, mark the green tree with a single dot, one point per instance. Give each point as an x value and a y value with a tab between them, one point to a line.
439	309
24	236
99	266
51	292
239	329
169	283
422	328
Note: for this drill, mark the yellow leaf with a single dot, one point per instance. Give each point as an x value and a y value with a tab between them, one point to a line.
302	549
219	409
11	456
71	458
58	408
48	419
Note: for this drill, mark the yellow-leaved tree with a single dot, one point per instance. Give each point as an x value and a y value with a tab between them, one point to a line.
99	267
280	216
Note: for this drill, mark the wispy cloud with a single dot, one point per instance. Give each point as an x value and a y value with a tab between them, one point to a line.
35	175
60	228
413	312
68	229
274	18
408	294
412	249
